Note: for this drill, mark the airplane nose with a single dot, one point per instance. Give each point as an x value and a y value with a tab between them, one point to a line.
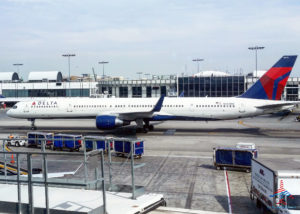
9	113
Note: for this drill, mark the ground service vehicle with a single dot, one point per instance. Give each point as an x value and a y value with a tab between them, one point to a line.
16	141
35	139
67	141
275	184
122	147
233	157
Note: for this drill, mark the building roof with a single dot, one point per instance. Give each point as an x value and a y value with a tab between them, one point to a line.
211	73
8	76
45	75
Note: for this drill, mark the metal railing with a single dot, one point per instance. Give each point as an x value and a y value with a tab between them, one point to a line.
30	180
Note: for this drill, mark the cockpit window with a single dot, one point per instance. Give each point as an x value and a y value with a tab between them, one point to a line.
15	106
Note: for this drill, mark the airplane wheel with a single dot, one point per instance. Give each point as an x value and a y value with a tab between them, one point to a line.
151	128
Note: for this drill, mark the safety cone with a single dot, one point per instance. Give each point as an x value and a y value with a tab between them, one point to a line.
12	161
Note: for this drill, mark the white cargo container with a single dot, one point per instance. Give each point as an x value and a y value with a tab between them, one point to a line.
276	185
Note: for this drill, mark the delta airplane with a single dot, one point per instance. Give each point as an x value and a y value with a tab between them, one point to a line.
262	98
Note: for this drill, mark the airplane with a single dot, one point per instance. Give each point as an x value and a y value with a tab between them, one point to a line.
109	113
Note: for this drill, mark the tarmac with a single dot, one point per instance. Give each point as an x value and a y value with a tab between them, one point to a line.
178	157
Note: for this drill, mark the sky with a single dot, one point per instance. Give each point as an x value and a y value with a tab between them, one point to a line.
157	37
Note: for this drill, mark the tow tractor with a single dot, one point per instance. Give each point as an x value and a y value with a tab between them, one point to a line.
16	141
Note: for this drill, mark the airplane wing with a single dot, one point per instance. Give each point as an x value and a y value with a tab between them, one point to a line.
133	115
279	106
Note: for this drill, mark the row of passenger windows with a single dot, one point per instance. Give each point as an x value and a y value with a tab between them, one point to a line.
90	106
43	106
216	106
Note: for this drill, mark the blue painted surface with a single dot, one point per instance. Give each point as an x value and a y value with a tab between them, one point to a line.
106	122
124	147
256	91
36	138
67	141
276	83
159	104
286	61
169	117
100	144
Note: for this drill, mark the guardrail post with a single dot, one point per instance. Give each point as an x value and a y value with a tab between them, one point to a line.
30	188
45	172
103	182
85	162
107	142
5	168
19	184
132	170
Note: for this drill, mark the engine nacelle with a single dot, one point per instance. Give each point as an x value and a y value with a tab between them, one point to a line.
109	122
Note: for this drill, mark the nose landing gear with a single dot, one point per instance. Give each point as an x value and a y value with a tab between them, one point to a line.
33	127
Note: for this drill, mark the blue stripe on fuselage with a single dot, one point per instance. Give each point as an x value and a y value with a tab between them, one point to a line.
170	117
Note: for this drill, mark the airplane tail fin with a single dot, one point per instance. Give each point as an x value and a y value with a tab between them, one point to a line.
270	86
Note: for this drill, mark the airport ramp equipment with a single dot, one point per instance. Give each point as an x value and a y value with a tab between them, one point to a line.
35	139
67	200
95	142
67	141
11	169
122	147
232	157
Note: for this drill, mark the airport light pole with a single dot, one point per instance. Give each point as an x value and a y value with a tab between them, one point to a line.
147	75
69	55
198	60
103	62
18	66
139	73
256	48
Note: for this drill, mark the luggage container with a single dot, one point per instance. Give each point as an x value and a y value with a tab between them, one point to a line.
67	141
233	157
35	139
95	142
122	147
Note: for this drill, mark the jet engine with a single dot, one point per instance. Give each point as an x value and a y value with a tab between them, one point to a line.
109	122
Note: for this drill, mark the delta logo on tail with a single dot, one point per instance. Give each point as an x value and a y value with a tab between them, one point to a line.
271	85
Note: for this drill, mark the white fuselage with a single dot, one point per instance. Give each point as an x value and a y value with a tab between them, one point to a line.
180	108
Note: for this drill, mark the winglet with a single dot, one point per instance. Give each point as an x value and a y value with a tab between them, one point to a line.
158	105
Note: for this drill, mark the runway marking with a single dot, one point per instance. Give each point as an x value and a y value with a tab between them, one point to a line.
228	191
180	156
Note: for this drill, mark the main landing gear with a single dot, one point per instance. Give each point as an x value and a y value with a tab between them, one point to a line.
144	126
33	127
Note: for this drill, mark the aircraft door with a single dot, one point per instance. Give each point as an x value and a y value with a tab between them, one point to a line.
26	108
70	108
242	108
192	107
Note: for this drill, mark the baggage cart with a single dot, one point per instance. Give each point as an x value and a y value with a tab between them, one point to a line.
122	147
95	142
67	141
35	139
233	157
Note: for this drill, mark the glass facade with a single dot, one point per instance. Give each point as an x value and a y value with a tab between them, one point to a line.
292	92
45	93
149	91
227	86
123	91
137	91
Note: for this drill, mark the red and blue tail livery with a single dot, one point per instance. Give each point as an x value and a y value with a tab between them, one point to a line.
271	85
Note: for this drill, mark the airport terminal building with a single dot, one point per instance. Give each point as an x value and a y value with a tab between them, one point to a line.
207	83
